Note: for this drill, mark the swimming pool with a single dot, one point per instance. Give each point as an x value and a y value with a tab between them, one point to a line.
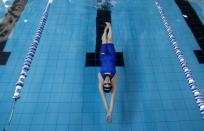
61	94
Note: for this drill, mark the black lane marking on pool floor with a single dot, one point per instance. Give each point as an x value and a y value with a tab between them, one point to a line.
195	25
92	58
3	55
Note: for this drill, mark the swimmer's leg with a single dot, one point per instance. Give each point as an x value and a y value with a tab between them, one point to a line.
104	36
109	36
110	48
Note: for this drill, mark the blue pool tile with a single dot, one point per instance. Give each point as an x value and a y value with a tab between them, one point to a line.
173	126
150	126
75	128
62	128
122	127
50	127
38	119
76	118
198	125
187	125
63	119
100	118
27	119
50	118
23	128
162	126
154	116
194	114
88	118
138	127
38	127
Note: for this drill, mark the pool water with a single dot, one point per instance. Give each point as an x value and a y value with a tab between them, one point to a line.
61	94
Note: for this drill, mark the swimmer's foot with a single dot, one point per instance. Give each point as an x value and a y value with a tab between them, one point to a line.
108	24
109	117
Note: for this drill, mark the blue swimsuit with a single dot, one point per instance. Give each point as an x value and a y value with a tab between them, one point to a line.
107	59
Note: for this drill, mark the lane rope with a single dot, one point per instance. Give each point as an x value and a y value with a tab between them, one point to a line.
27	62
187	71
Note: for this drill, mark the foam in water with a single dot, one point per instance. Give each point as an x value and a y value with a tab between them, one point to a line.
50	1
25	20
7	3
101	4
4	6
104	4
70	1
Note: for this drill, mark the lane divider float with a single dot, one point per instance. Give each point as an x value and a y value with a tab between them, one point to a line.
28	61
187	71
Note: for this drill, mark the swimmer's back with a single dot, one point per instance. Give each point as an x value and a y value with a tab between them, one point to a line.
107	59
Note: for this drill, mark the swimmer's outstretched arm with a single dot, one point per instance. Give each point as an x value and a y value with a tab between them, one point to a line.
102	92
112	101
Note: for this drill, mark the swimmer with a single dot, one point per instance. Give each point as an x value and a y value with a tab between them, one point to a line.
107	75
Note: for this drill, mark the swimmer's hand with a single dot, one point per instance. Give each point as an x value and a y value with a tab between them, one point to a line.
109	117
